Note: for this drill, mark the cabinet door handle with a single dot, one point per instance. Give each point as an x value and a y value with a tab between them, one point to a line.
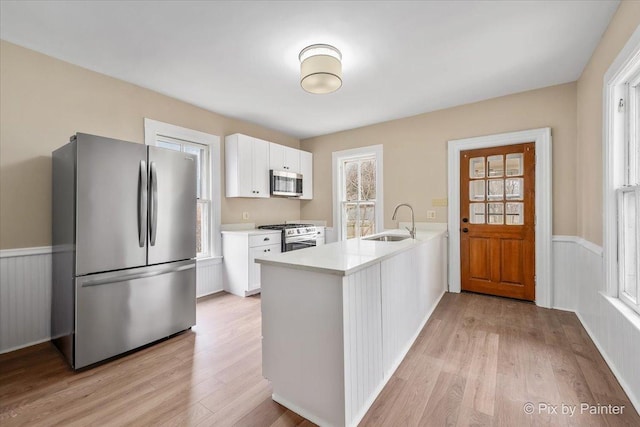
266	239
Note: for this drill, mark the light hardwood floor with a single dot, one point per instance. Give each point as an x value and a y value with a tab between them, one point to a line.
478	361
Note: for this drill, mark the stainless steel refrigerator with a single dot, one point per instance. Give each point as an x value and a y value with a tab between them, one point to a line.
124	237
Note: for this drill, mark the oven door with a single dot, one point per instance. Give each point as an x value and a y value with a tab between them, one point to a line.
301	242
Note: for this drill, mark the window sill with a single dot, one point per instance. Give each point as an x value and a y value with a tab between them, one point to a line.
627	312
210	260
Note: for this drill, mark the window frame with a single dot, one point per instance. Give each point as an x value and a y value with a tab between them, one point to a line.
338	160
155	132
619	168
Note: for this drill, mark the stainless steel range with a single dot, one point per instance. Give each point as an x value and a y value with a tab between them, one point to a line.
295	236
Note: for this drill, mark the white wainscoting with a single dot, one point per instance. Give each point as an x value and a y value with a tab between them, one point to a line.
25	297
613	327
25	294
363	338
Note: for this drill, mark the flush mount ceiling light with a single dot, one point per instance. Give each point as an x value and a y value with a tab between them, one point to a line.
320	68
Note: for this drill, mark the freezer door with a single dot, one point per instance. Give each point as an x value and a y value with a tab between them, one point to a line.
110	204
172	206
120	311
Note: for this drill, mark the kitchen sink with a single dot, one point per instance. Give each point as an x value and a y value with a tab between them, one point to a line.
387	238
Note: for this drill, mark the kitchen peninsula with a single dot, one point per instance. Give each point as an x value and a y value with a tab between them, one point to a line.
338	319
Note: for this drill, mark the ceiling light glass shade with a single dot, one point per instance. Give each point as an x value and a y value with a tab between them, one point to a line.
320	68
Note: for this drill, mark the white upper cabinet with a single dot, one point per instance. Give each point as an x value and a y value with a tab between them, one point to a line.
246	166
306	169
283	158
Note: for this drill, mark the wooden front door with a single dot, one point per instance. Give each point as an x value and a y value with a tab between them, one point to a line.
497	222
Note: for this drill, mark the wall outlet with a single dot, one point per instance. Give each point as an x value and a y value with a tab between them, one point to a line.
245	215
431	214
439	202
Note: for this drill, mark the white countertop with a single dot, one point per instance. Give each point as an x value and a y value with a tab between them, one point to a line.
348	256
251	231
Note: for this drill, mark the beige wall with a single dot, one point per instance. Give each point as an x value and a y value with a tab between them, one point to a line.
415	151
43	101
590	87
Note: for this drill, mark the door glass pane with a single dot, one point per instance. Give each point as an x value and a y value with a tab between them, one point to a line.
476	213
496	213
514	188
199	153
629	251
515	164
351	180
368	176
495	164
169	145
476	190
515	213
496	189
476	167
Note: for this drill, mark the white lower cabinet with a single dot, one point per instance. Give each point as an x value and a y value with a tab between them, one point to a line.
240	249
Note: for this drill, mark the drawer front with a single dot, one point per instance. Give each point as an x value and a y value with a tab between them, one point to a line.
122	311
264	239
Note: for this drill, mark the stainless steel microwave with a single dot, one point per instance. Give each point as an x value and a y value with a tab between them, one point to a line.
286	184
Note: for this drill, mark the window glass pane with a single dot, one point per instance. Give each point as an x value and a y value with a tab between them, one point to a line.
351	180
515	213
496	189
367	224
350	219
170	145
514	188
515	164
495	164
629	251
368	176
199	153
496	213
476	213
476	167
476	190
201	228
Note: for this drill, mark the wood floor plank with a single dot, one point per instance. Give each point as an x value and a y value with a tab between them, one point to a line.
478	361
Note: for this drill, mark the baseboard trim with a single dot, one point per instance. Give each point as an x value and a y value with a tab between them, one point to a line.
632	397
298	410
21	346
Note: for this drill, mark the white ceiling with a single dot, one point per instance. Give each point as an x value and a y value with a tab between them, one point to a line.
240	59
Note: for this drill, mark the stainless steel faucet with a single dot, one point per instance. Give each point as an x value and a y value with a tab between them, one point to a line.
412	230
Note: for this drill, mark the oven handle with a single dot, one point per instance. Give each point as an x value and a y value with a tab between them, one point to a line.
305	241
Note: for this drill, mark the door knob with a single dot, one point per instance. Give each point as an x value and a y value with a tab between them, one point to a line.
465	230
465	219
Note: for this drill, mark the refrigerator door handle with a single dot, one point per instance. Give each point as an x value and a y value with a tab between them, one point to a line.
124	278
142	204
153	207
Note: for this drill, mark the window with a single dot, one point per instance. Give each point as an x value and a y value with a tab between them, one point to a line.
622	175
203	193
358	192
206	149
629	196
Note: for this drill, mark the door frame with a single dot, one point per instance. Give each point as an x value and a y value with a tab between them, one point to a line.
544	195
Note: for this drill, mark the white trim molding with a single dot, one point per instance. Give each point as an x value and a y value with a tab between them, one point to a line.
336	158
544	266
11	253
614	154
154	128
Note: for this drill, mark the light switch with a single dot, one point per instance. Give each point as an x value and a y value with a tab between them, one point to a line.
431	214
245	215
